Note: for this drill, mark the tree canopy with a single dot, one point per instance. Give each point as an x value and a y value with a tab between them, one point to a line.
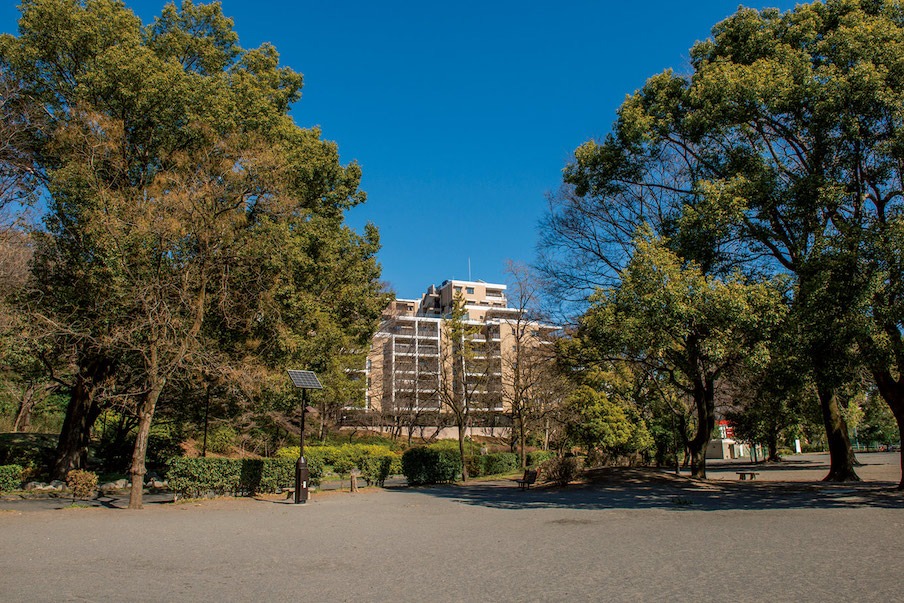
783	145
191	226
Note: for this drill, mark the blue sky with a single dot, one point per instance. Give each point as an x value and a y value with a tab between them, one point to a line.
463	114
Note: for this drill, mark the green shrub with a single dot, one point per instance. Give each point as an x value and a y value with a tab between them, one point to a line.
193	477
30	450
500	462
10	477
345	457
430	465
561	470
81	484
376	468
471	448
221	440
492	464
538	457
395	468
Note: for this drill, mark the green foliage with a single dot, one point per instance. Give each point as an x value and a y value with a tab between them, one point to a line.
784	139
31	450
346	457
599	421
82	484
430	465
10	477
194	477
878	425
471	447
493	464
377	468
221	440
175	178
561	470
538	457
114	448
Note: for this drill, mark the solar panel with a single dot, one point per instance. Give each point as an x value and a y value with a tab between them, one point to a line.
304	379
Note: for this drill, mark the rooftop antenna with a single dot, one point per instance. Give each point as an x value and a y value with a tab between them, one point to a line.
469	267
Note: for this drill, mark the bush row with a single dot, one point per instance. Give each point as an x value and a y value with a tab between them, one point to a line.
439	463
10	477
346	457
193	477
431	465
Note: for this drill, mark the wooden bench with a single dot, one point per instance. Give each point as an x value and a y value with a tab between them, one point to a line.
530	477
742	475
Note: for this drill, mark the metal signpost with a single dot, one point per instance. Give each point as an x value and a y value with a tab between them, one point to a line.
303	380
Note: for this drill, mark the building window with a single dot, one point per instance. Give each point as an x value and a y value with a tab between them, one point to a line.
469	290
458	289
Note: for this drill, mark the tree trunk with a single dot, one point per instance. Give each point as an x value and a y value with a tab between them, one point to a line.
461	447
27	402
521	441
72	447
840	452
145	417
704	396
773	448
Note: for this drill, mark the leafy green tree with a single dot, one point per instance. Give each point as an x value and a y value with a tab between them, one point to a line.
602	422
787	133
669	316
190	222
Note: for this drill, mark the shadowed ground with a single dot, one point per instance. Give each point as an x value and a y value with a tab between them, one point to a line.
632	535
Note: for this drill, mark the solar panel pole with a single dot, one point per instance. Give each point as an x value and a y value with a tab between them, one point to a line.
302	473
303	380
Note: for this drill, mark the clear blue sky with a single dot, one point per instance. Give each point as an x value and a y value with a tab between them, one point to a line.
462	114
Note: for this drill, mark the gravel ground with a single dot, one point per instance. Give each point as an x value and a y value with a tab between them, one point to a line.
633	535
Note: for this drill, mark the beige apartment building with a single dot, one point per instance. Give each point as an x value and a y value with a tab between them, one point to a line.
410	367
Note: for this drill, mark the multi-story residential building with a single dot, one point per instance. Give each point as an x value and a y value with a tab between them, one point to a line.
411	369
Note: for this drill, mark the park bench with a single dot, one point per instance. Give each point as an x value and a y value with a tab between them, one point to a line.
530	477
742	475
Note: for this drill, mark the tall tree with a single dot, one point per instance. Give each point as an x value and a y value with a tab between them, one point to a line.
190	221
669	316
792	121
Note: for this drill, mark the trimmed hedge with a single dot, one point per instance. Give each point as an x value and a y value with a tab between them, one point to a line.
538	457
428	465
346	457
193	477
10	477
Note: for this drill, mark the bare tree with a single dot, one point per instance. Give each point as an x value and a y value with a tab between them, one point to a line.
20	120
527	353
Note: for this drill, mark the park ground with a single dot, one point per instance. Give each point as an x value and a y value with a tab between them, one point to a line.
630	534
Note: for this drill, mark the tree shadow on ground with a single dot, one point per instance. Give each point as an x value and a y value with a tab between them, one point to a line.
630	488
784	465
